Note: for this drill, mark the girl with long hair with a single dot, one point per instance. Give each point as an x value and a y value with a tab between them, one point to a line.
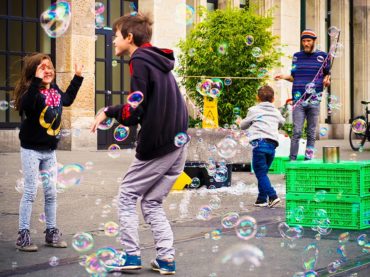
40	103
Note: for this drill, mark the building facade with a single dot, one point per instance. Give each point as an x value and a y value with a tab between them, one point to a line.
107	77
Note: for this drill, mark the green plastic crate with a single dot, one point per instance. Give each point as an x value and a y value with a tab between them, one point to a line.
278	165
347	212
344	178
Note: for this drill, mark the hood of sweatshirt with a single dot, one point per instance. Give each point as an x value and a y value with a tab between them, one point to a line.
163	59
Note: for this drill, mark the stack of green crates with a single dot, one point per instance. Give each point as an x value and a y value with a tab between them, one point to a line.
341	189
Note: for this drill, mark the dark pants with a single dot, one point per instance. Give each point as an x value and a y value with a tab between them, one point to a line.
263	155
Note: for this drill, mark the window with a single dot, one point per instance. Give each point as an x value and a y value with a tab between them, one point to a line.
20	35
112	73
212	5
244	4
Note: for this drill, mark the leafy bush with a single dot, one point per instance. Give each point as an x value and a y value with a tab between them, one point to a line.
218	47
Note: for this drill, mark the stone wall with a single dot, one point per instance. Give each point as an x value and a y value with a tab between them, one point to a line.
77	45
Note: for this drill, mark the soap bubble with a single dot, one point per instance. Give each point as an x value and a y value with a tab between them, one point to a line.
121	133
54	261
249	40
181	139
230	220
97	8
55	20
242	253
105	124
359	126
246	228
82	242
309	256
333	31
256	52
135	98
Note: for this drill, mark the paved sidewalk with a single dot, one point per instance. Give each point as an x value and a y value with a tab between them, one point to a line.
87	206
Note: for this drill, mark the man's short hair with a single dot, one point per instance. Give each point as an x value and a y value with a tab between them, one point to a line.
138	24
266	94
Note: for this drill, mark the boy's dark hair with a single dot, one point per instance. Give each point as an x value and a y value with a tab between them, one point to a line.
138	24
266	94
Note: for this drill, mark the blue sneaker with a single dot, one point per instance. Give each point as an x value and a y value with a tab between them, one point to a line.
164	267
124	262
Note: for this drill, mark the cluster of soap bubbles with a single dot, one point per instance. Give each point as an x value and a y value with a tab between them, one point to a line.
56	19
98	9
217	171
210	87
121	132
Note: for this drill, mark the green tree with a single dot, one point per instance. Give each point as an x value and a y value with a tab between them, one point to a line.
223	45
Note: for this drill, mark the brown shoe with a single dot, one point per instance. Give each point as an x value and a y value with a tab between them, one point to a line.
24	242
53	238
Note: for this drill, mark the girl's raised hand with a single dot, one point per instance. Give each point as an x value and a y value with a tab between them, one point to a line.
40	71
78	69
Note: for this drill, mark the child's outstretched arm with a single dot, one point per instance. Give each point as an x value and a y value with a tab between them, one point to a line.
69	96
99	119
247	122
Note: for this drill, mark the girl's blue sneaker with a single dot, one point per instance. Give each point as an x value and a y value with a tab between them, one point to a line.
164	267
124	262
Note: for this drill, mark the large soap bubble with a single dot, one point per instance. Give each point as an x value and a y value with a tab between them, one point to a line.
55	20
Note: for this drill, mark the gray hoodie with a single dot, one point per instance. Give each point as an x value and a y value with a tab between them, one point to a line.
263	121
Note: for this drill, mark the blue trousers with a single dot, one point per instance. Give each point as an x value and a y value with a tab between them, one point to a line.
263	155
32	163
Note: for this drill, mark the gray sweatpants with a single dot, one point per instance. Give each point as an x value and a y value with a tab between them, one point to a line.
311	114
153	180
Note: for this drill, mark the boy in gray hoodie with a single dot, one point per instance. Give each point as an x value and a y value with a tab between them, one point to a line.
263	121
